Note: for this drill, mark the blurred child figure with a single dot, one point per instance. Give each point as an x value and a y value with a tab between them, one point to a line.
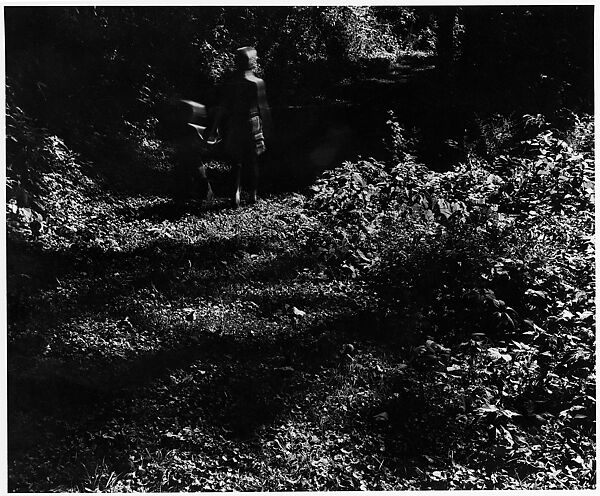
181	124
243	117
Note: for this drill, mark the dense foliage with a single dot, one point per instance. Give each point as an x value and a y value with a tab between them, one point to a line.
85	69
495	262
123	59
397	325
468	297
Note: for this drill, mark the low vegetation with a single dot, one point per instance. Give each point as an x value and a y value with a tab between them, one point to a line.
420	316
392	328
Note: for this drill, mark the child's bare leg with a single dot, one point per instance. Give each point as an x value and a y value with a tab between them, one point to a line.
236	171
253	179
205	183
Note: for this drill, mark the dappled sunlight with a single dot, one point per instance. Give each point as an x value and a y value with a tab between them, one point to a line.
381	279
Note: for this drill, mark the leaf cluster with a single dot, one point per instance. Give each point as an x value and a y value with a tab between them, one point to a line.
496	259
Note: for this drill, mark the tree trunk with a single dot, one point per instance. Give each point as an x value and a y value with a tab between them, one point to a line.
446	17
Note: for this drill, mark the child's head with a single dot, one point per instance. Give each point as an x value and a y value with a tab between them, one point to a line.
245	59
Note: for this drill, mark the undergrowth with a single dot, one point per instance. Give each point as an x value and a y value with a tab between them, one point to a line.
397	328
496	260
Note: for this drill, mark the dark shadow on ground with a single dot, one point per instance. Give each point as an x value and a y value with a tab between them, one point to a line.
230	384
419	428
173	269
236	385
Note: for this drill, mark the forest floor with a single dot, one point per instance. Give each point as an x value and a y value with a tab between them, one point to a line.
162	348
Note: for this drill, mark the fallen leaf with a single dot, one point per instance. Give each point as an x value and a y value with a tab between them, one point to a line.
298	312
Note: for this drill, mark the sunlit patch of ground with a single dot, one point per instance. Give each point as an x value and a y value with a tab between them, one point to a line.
164	348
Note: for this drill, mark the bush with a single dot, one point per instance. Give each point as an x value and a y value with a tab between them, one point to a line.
495	263
377	210
44	177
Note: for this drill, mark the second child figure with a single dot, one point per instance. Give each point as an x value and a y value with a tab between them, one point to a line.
243	118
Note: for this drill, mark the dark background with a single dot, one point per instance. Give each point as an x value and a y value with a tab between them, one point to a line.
97	76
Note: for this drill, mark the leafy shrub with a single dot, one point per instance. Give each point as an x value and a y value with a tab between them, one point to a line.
497	259
398	142
496	135
555	174
45	180
375	210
